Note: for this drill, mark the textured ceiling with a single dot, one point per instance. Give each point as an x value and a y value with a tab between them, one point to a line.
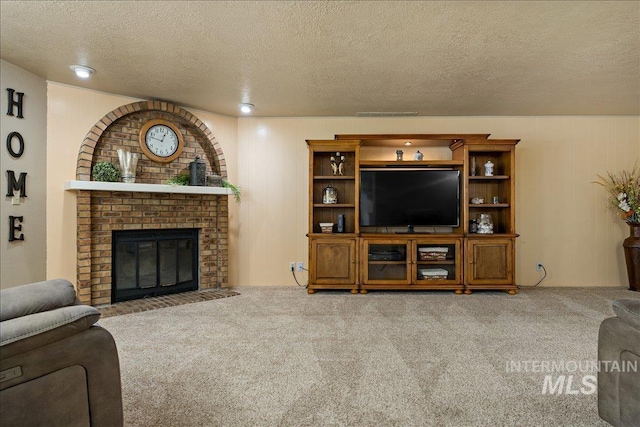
334	58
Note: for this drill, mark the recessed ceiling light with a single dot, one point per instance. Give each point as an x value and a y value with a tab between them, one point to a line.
82	71
407	143
246	108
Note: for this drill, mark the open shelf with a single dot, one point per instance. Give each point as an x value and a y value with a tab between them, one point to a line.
487	178
332	177
334	205
488	205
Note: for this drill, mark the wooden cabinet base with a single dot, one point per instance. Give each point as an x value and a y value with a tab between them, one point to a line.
510	289
312	289
455	288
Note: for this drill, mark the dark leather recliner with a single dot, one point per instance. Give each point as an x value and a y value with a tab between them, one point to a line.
57	367
619	357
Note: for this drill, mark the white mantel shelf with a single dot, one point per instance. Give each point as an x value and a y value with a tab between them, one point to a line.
143	188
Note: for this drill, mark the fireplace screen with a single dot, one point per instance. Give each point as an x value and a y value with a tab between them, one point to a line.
154	262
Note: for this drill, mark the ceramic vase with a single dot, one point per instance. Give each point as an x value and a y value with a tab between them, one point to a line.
632	256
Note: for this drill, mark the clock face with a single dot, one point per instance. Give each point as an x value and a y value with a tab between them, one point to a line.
161	140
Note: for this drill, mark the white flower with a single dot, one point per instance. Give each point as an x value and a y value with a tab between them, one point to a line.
624	206
622	196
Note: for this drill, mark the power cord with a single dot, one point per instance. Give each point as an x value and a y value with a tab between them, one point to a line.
293	273
539	281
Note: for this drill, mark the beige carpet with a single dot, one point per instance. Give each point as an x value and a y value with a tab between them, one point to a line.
280	357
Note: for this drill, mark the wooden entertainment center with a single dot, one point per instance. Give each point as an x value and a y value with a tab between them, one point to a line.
444	258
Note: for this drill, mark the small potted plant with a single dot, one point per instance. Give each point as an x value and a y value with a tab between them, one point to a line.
181	179
106	172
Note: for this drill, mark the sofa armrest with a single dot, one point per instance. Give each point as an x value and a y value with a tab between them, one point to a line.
25	333
628	311
35	298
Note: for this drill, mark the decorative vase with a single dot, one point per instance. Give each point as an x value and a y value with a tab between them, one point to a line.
632	256
330	195
473	167
488	168
485	224
128	164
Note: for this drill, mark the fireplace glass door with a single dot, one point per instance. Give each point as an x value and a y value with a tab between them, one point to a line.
154	262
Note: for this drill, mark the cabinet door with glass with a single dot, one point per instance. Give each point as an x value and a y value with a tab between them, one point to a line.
386	262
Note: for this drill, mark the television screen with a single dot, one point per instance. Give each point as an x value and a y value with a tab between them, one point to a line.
409	197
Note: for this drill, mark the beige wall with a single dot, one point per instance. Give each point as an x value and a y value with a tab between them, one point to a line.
561	216
23	261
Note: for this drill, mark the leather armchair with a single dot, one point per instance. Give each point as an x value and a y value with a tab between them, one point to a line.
57	367
619	386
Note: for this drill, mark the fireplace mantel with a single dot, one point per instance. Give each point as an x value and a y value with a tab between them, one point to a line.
143	188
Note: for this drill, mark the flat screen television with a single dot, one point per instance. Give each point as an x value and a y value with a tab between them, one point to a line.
409	197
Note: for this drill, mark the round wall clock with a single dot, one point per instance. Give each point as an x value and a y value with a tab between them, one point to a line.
161	141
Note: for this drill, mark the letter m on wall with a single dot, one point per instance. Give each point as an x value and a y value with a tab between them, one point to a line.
19	185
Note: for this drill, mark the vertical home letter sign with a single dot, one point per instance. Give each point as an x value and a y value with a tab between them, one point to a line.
15	147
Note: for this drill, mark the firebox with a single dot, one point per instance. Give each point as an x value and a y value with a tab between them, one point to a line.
150	263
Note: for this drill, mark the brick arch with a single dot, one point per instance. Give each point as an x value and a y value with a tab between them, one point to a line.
85	156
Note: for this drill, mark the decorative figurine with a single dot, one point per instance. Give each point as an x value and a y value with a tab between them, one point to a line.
473	169
340	164
488	168
418	155
334	165
399	154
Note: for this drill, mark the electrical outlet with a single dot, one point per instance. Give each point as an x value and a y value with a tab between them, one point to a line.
300	265
292	266
539	267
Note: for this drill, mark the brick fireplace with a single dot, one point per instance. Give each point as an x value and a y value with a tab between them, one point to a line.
100	213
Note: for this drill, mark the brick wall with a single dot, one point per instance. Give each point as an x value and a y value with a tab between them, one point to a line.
124	133
99	213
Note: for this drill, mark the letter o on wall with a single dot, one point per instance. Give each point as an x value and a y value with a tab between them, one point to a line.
10	138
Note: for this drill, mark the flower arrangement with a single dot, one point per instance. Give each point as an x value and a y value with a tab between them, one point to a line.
623	191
